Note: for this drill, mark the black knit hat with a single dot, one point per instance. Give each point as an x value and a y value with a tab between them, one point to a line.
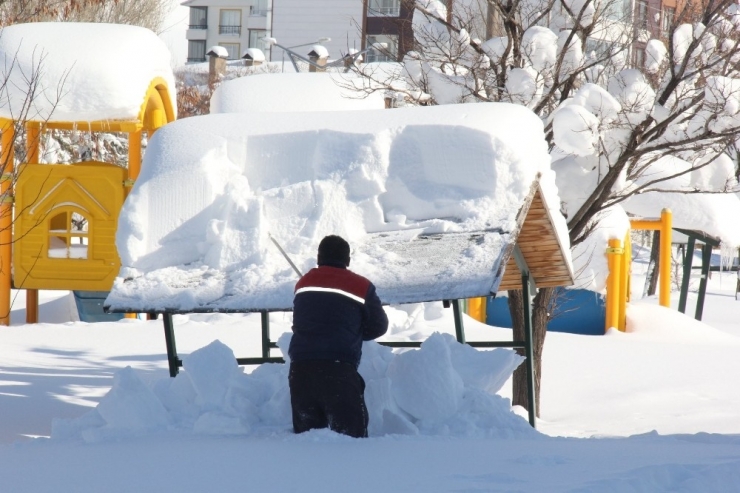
333	250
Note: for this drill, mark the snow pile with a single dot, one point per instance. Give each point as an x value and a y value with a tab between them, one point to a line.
293	92
715	214
196	231
81	72
444	388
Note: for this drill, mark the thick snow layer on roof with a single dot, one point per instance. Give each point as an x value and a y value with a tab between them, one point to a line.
195	231
295	92
219	51
715	214
85	72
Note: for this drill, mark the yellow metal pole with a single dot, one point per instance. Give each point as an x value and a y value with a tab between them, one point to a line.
614	257
33	140
7	138
666	227
624	281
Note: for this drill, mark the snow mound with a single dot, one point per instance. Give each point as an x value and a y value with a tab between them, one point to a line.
442	389
289	92
81	72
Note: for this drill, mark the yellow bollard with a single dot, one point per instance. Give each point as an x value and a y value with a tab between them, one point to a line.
666	227
614	256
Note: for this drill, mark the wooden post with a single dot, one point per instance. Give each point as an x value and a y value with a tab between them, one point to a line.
6	219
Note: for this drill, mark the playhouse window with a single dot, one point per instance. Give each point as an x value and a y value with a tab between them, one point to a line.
68	236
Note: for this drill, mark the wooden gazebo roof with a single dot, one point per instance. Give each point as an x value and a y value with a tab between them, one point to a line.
540	246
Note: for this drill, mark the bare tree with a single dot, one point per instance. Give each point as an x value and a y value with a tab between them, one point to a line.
578	57
145	13
20	11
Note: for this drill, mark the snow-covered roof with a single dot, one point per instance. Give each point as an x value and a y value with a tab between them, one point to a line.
254	54
86	72
429	199
292	92
218	51
713	214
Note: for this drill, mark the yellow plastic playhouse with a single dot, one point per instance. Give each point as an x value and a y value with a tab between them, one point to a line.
91	78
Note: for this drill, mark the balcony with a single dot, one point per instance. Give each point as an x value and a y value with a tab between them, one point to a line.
198	26
199	34
258	11
383	11
230	30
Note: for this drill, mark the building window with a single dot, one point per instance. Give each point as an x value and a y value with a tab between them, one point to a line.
617	10
641	14
639	57
255	38
597	49
259	9
197	51
230	22
668	14
68	236
233	49
389	8
198	18
382	48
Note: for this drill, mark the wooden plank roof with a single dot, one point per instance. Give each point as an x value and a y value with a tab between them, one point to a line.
540	246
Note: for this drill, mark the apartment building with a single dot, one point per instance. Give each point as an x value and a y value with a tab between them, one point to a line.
653	20
350	24
234	24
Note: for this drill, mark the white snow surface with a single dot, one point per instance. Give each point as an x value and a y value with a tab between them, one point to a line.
195	232
93	406
715	214
305	92
83	72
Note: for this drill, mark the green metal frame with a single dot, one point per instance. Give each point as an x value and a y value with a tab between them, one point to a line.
174	362
708	242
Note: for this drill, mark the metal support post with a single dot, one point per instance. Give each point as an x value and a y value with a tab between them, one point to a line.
688	260
169	337
457	314
265	334
527	306
706	258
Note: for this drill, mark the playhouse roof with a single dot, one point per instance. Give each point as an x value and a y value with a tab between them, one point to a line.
83	72
433	201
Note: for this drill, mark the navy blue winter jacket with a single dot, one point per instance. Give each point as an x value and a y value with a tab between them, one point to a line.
334	310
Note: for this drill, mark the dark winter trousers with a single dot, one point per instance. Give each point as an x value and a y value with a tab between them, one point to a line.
328	394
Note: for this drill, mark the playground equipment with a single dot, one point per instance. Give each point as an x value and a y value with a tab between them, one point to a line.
41	203
587	306
707	242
